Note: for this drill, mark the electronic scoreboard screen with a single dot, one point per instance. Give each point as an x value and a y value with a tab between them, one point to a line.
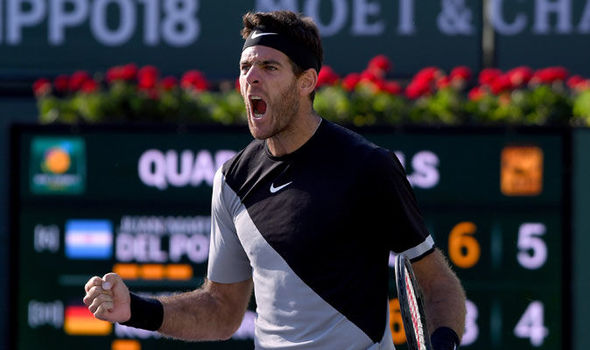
136	200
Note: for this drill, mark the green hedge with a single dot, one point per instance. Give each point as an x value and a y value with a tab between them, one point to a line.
520	96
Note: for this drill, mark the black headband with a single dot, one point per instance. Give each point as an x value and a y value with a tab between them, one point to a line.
299	54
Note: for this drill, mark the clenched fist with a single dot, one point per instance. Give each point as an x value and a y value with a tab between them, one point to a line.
108	298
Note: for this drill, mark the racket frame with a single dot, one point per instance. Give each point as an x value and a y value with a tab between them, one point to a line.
410	297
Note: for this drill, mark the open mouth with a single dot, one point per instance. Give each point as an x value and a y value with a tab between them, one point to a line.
258	106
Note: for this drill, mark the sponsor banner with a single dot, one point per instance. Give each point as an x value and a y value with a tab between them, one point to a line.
178	35
97	34
542	33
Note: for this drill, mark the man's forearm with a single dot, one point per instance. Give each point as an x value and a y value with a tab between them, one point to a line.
208	313
444	297
192	316
446	307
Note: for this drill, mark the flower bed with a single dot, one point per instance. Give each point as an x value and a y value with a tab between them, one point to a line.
520	96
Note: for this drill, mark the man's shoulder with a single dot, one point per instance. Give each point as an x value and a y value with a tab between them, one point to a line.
352	144
357	152
342	136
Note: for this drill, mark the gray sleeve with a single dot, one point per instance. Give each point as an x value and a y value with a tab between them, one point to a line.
228	262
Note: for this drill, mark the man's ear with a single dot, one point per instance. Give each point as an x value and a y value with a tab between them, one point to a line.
308	81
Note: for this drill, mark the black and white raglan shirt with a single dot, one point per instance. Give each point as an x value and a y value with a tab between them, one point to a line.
314	229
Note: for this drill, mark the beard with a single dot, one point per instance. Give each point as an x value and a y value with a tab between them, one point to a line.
283	109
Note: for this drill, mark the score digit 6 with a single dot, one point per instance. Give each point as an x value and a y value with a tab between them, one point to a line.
396	323
464	250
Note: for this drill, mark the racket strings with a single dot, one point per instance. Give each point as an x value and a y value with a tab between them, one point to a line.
414	311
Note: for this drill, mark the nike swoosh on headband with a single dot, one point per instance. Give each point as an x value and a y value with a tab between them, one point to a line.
297	51
256	34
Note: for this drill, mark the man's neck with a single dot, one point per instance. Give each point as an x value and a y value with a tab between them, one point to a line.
289	140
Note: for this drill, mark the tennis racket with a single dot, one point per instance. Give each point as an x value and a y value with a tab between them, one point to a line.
411	305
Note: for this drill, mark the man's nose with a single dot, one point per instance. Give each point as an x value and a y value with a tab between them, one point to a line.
252	77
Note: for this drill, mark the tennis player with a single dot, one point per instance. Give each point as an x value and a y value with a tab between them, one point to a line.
306	215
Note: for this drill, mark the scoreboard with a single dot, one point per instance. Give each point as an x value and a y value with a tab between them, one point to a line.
136	200
493	200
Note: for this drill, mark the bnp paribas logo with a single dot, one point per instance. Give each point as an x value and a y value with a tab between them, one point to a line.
58	165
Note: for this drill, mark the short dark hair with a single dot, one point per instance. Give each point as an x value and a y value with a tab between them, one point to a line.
295	26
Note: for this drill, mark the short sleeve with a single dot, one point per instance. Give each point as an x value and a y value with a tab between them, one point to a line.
228	262
397	208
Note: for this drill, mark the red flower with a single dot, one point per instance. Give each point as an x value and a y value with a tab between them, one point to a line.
578	83
501	84
418	88
41	87
379	65
476	93
391	87
520	76
168	83
488	75
377	84
129	72
327	76
113	74
147	72
89	86
427	75
380	62
573	81
550	74
78	79
147	77
351	81
61	83
146	84
444	82
368	76
194	79
560	73
460	73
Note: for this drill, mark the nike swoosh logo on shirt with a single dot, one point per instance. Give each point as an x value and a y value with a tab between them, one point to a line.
257	34
274	189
